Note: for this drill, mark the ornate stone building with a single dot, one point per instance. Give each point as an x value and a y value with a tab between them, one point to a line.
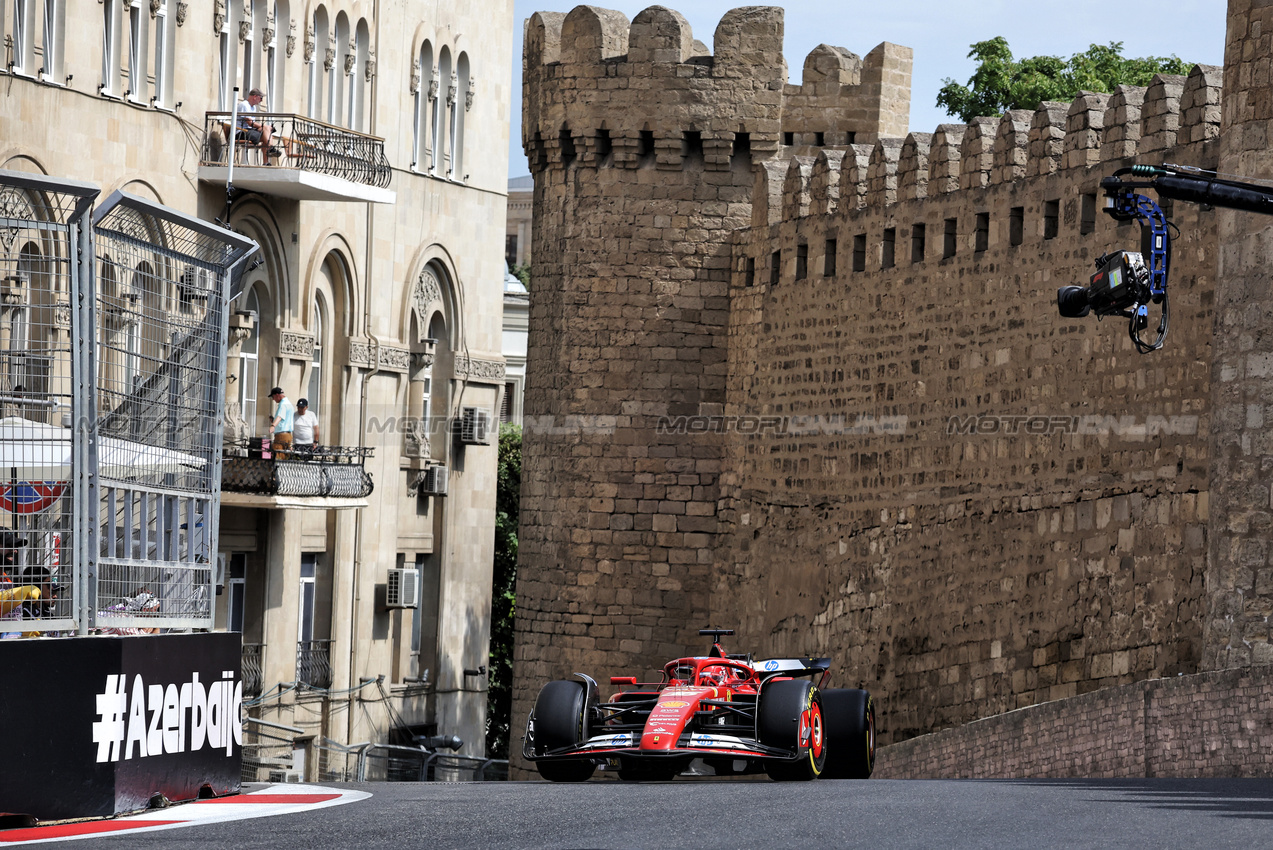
829	398
379	204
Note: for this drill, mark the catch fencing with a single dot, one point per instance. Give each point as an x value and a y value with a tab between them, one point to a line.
112	377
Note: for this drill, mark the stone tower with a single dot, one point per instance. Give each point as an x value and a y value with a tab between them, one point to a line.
642	144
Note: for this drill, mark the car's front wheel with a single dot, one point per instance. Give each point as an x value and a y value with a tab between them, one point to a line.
849	714
561	713
790	717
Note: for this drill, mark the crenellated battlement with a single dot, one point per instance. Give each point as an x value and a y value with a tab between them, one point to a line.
1093	129
602	91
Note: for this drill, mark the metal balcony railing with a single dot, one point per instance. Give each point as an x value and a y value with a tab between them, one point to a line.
313	663
336	471
297	142
252	670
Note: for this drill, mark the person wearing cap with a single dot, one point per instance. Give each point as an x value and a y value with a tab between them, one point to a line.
305	434
282	426
252	130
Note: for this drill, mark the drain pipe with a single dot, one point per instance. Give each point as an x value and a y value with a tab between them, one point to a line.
362	405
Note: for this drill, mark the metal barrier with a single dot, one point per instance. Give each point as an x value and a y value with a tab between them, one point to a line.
267	748
370	762
313	663
330	471
301	143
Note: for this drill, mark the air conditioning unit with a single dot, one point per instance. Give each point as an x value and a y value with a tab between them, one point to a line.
475	426
433	481
285	776
402	589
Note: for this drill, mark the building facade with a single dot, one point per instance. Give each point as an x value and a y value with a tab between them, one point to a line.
823	392
379	206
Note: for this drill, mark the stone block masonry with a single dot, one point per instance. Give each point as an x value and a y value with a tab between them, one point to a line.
842	413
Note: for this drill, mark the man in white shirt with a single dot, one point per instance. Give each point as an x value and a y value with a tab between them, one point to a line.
305	426
252	130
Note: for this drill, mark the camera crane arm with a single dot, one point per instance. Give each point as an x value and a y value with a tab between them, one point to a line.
1125	282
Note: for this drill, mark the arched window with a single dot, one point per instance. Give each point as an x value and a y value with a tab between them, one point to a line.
315	390
274	57
422	149
441	110
458	110
358	79
248	354
138	35
229	57
336	78
317	64
111	41
165	35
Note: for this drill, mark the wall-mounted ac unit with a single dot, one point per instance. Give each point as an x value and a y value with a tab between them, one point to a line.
402	589
433	481
285	776
475	426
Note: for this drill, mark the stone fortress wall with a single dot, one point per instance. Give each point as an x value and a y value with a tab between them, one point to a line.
771	301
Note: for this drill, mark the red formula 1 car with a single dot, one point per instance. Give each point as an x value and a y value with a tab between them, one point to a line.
738	715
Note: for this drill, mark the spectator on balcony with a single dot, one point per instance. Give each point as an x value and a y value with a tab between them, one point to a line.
252	130
305	434
283	423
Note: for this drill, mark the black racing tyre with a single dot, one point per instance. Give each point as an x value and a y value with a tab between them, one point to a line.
849	715
561	712
790	717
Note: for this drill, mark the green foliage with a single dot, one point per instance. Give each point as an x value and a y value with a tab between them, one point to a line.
1001	83
508	489
522	273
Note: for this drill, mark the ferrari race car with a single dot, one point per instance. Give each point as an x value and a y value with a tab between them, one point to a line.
738	715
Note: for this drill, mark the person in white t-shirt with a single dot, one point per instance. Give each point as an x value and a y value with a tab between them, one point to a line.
305	426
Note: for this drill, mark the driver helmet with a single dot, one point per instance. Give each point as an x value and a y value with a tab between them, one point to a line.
712	676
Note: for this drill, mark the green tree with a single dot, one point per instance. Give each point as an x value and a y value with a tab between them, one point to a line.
1001	83
508	489
522	273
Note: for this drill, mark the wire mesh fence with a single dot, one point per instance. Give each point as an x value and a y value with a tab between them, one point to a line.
41	268
161	303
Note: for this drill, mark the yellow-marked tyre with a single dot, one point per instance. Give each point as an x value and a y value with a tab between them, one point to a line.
791	717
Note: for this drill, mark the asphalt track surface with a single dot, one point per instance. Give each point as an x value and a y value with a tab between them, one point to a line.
1162	813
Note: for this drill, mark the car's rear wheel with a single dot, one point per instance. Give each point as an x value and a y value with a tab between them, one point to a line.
790	717
561	713
849	715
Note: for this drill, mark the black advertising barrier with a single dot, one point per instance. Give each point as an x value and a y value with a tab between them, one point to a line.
94	726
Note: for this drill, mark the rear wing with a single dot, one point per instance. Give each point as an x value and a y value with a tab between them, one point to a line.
820	667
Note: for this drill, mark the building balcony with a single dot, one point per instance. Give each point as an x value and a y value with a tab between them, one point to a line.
308	160
314	663
317	477
252	670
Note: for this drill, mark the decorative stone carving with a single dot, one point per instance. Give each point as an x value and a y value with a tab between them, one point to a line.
479	370
395	359
468	95
62	314
155	6
359	354
291	38
351	57
183	9
296	344
433	83
218	17
267	32
421	360
416	442
329	59
14	204
452	88
311	43
369	70
426	294
245	29
415	76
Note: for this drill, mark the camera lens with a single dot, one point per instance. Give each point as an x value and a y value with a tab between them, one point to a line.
1073	302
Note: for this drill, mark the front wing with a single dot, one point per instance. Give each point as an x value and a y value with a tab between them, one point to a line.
694	744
